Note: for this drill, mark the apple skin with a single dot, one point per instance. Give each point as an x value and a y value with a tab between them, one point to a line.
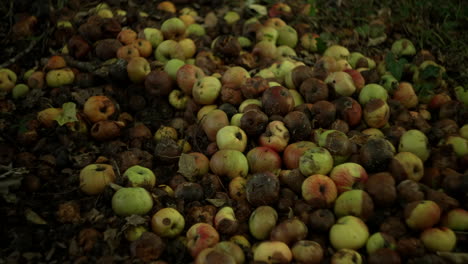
289	231
153	35
337	52
349	110
233	249
293	152
416	142
316	160
225	220
235	76
380	240
349	232
456	219
439	239
276	136
206	90
169	49
137	69
421	215
201	236
372	91
307	252
173	28
277	100
167	222
405	94
198	165
406	165
342	82
187	76
139	176
319	190
231	137
376	113
212	122
272	252
346	256
229	163
263	159
214	255
348	176
7	79
95	177
132	200
59	77
337	143
261	221
354	202
188	47
287	35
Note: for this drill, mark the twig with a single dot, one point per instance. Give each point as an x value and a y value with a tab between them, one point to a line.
24	52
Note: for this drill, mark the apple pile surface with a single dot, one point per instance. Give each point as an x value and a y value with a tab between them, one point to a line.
171	133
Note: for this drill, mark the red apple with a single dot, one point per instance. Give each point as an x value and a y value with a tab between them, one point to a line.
201	236
294	151
348	176
263	159
319	190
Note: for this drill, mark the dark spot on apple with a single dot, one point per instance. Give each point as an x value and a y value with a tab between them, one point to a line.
100	168
239	135
166	221
322	188
96	128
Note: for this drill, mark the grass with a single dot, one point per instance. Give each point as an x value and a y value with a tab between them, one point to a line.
435	25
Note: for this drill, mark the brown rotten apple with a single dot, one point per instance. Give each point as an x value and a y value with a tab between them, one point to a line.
277	100
98	108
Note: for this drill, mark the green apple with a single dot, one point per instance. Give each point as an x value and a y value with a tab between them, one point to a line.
349	232
346	256
464	131
244	42
137	69
287	35
406	165
272	252
403	47
342	82
95	177
196	30
7	79
231	137
284	52
134	232
139	176
231	17
169	49
172	66
20	90
416	142
154	36
229	163
267	34
132	200
422	214
60	77
380	240
372	91
262	220
173	28
354	57
461	94
206	90
167	222
309	41
459	144
316	160
456	219
337	52
354	202
439	239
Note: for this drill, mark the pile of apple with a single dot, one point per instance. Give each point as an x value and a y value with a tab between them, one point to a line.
274	161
